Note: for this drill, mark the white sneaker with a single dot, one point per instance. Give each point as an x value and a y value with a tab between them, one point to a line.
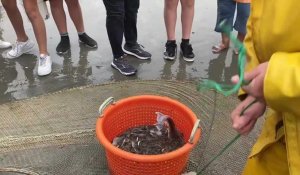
4	44
45	64
20	48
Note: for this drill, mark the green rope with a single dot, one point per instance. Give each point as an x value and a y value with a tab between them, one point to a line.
229	89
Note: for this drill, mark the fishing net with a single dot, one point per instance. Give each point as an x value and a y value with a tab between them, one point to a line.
54	134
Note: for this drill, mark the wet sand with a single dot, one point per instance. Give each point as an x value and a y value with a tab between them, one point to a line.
84	66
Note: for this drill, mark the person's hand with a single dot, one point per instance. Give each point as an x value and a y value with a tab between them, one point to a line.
244	123
256	78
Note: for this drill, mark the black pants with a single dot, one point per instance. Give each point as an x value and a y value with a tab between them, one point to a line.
121	19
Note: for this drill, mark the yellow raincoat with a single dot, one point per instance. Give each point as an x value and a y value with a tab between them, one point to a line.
273	34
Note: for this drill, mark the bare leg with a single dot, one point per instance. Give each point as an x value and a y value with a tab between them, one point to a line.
223	45
187	17
59	15
38	24
170	15
15	18
225	40
76	14
240	37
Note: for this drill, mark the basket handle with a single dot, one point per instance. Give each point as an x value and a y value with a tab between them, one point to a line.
196	126
107	102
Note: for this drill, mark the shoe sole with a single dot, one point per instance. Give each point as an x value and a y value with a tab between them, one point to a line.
45	74
27	52
169	58
187	59
92	47
63	53
123	73
133	54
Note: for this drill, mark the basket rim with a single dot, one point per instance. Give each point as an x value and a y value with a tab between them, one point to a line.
186	148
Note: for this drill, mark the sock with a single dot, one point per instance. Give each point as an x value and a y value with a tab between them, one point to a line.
64	38
80	33
64	34
43	55
171	41
185	41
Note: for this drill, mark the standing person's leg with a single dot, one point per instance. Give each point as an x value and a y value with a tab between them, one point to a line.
187	16
131	46
130	21
23	44
243	12
15	18
226	10
38	24
59	17
3	44
115	14
45	63
170	17
76	16
115	25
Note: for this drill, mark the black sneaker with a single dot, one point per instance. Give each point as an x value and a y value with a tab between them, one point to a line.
63	46
170	51
88	41
187	52
137	51
123	67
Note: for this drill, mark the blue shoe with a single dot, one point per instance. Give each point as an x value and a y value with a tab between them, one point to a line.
138	51
123	67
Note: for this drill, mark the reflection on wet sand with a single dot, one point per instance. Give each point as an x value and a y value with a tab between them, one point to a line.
17	76
166	73
8	74
77	73
218	71
176	70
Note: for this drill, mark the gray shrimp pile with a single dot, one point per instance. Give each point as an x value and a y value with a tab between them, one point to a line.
148	140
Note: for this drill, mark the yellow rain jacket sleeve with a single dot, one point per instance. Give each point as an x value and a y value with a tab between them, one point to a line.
273	34
282	83
282	93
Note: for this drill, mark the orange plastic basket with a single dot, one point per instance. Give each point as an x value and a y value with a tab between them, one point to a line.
116	117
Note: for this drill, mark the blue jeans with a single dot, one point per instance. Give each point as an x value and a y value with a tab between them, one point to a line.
226	11
121	19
